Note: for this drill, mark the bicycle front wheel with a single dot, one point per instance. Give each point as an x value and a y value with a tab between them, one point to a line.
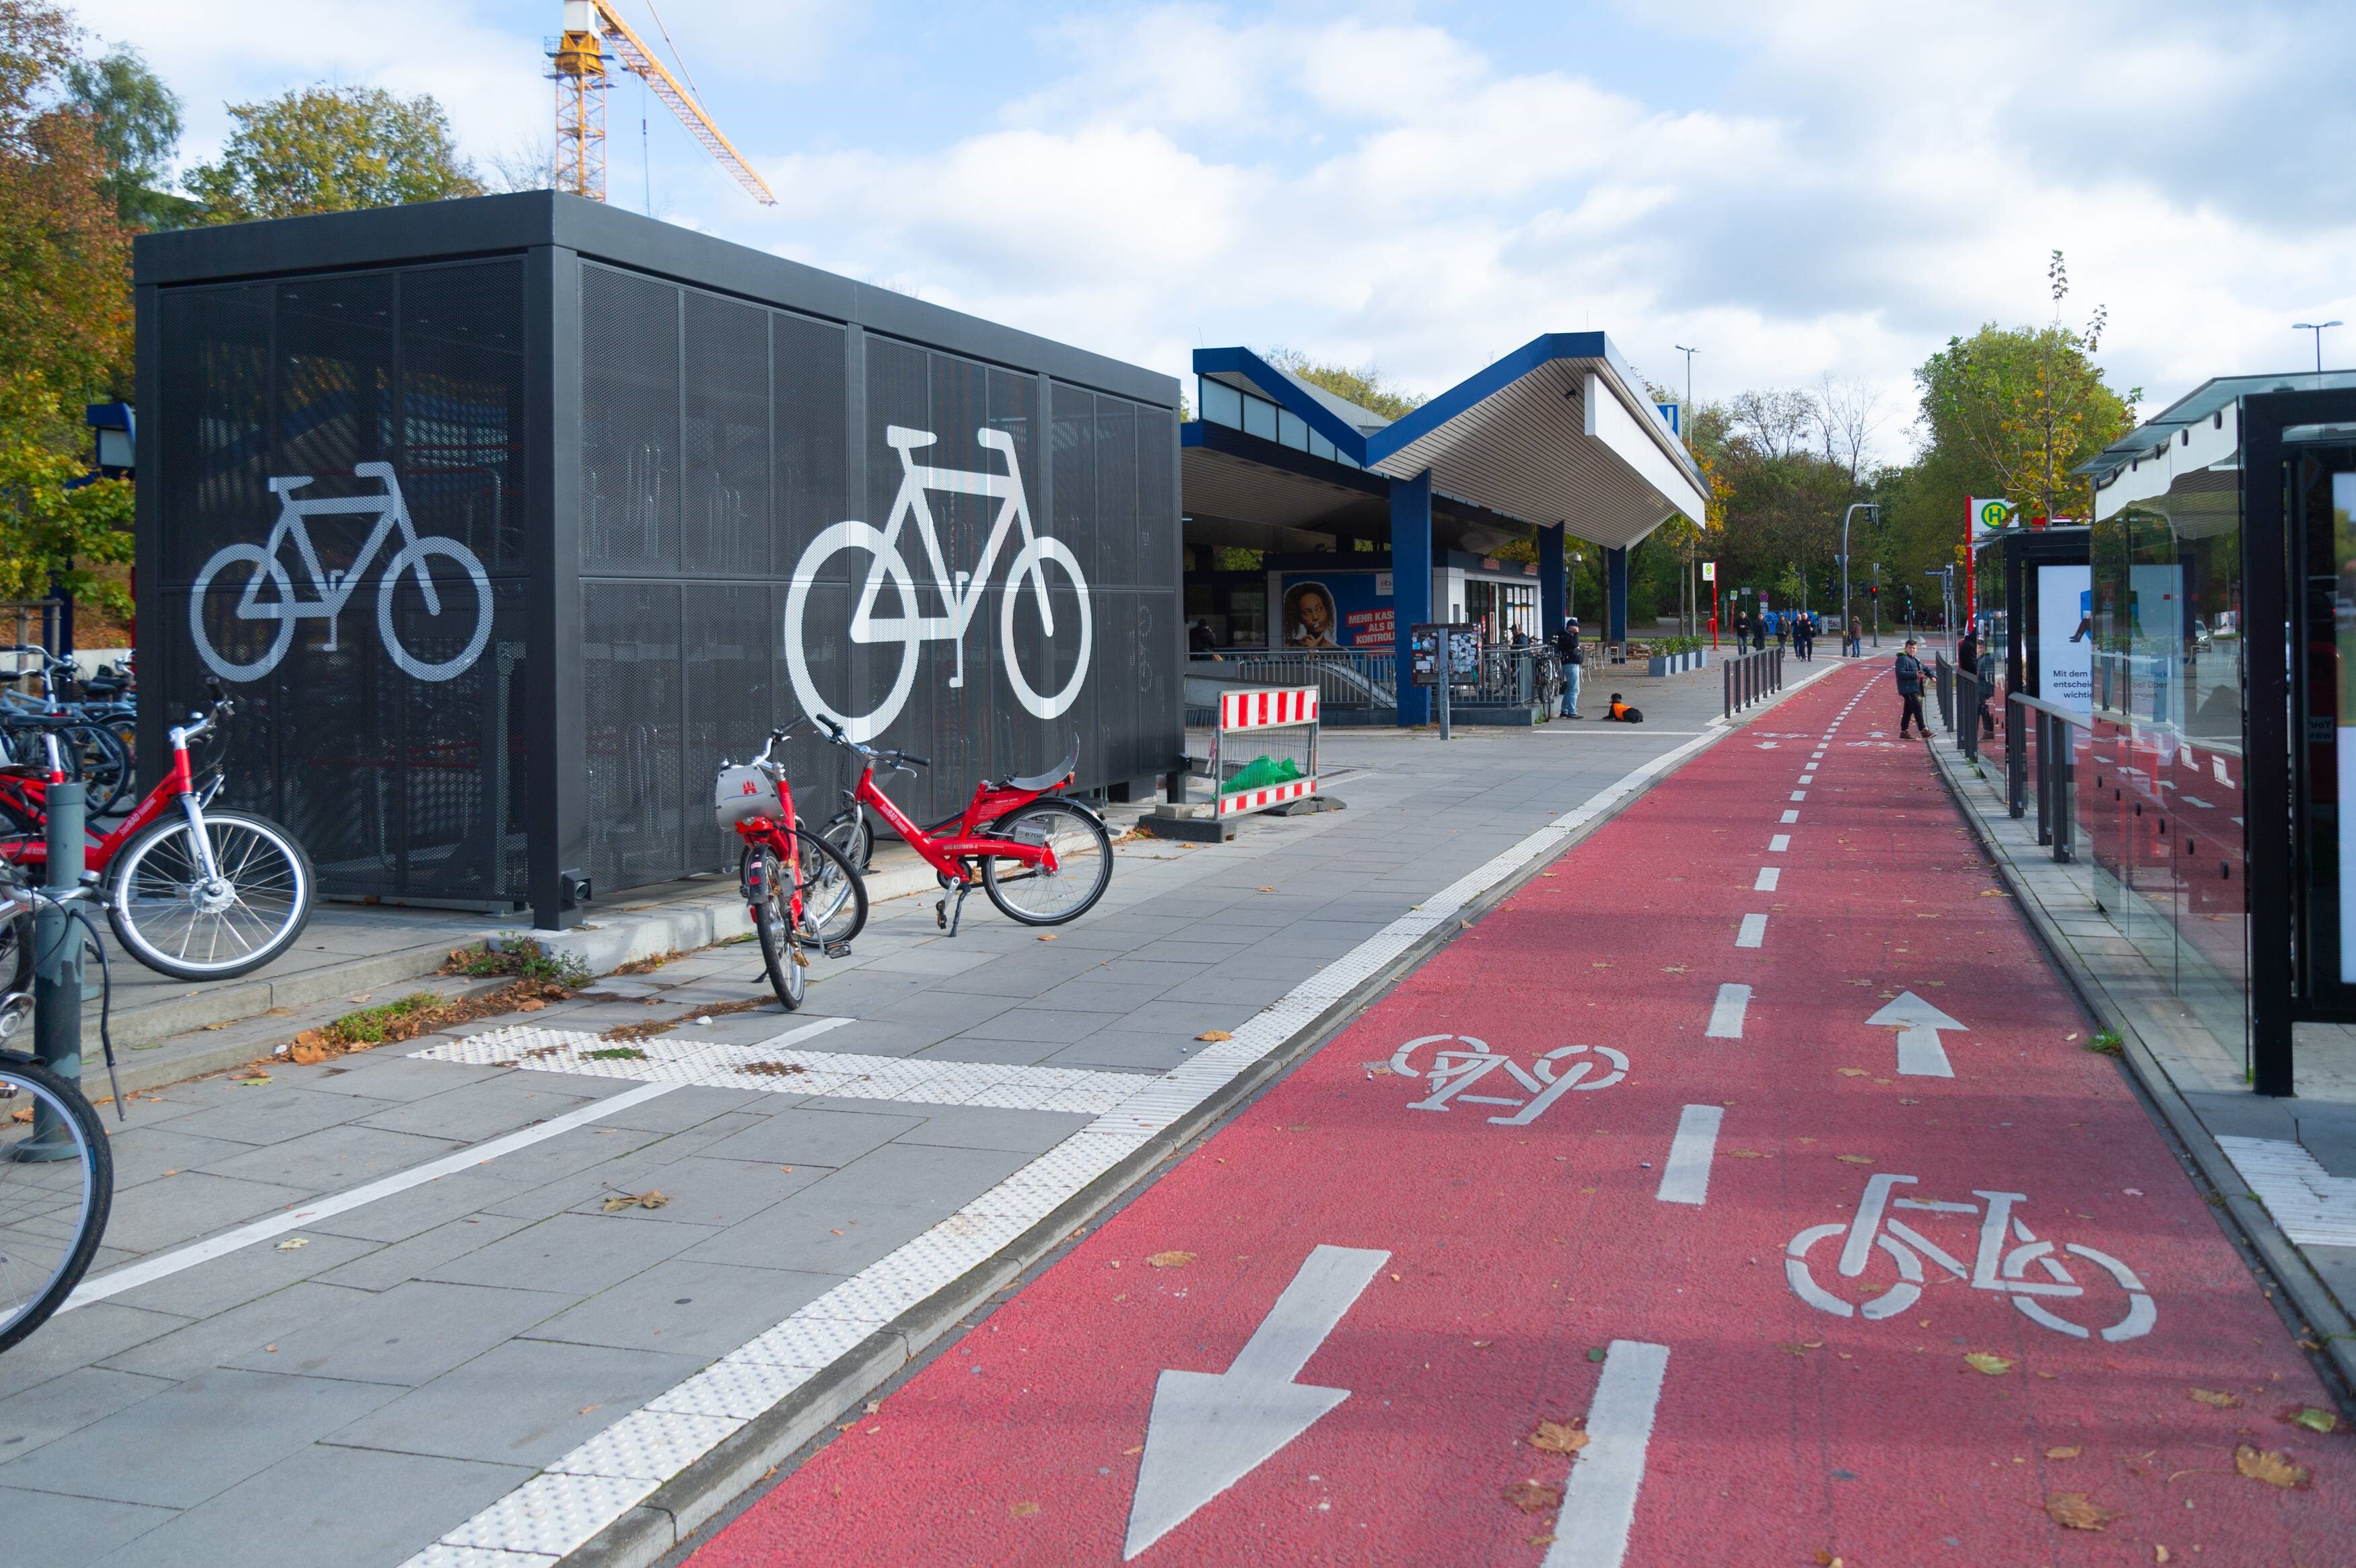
834	895
177	922
1033	895
57	1182
765	883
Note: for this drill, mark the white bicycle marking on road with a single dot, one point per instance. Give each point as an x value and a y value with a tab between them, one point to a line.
962	593
332	590
1994	1266
1753	930
1685	1178
1726	1014
1454	1069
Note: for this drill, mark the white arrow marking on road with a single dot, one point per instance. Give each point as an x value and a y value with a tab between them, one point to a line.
1209	1430
1918	1024
1599	1507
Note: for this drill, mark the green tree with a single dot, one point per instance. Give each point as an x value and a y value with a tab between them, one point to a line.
332	149
137	122
55	532
1365	386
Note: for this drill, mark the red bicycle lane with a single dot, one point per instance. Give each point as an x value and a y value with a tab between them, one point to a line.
1390	1314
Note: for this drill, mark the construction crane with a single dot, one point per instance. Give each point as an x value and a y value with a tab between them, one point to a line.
578	64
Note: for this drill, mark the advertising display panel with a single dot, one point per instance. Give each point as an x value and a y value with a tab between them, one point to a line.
2065	643
506	519
1337	610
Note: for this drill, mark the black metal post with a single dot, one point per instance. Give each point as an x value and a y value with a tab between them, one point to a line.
57	972
2265	746
2065	797
2016	766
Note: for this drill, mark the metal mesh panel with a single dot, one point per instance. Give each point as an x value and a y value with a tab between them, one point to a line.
631	671
731	646
725	525
215	430
812	422
462	406
629	421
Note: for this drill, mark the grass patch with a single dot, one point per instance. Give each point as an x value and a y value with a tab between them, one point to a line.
2106	1042
370	1026
649	965
615	1053
523	958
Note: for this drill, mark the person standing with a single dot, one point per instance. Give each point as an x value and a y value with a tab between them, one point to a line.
1910	693
1855	645
1574	659
1759	634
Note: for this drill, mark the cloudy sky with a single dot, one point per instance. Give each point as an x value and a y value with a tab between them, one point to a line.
1796	189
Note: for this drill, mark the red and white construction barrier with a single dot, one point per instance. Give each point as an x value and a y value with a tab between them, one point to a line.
1245	713
1268	709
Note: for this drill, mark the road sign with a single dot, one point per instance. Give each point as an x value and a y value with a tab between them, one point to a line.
1209	1430
1709	572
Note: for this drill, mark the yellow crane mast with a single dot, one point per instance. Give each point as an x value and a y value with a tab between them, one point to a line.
579	66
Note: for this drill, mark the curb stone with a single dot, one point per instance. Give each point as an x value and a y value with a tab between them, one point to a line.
2305	1301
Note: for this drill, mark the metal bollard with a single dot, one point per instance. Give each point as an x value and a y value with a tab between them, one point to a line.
58	971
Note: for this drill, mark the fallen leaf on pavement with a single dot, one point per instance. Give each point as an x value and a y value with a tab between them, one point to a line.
1022	1510
1672	968
2160	1553
653	1198
1827	1559
1215	1034
2315	1420
2075	1510
1850	1072
22	1114
1268	889
2064	1453
1169	1260
1854	1158
1043	936
1127	1451
291	1242
1909	1102
1744	1153
1557	1437
2266	1464
1534	1496
1994	1365
2217	1397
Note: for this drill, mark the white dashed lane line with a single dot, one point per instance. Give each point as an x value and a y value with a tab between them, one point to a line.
1685	1178
1754	931
1777	845
1768	877
1725	1013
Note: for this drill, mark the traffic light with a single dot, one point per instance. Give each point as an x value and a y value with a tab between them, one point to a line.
1874	592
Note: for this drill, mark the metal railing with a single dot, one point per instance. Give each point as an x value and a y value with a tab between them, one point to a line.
1344	678
2057	802
1751	678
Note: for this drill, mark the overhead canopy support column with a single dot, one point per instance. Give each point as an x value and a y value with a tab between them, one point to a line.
1615	595
1410	585
1551	579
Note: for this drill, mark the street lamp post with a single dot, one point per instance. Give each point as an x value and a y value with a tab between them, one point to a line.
1687	418
2316	327
1855	507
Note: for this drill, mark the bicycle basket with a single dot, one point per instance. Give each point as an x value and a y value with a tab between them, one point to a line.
741	793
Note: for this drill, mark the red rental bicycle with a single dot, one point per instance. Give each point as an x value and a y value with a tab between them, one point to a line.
1042	859
193	893
801	891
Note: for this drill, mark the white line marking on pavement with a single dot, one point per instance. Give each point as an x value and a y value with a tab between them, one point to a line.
1790	817
1685	1179
1209	1430
1725	1013
1768	877
1918	1023
1754	931
1777	845
1799	794
582	1492
1599	1507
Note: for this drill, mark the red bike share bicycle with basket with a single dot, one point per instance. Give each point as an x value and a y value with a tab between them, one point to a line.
1042	858
801	891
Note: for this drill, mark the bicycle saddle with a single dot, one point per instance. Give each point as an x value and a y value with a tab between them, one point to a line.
1036	783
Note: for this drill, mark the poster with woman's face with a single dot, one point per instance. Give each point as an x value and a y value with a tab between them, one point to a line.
1308	616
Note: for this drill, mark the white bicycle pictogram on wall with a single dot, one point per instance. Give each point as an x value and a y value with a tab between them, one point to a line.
332	590
962	593
2031	1271
1460	1061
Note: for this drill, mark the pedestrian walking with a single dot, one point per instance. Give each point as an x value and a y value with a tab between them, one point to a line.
1855	647
1910	693
1804	639
1759	634
1574	660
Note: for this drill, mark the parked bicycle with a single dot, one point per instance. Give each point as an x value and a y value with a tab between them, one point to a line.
97	748
332	590
801	891
2011	1268
193	893
57	1170
961	593
1042	859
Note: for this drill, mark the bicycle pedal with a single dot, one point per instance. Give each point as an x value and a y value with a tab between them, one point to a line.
837	950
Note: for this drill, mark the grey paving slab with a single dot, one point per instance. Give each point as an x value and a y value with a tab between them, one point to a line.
476	1113
702	1188
387	1265
802	1136
203	1343
51	1410
333	1159
269	1115
978	1126
81	1338
836	1232
172	1210
74	1532
408	1335
219	1283
687	1307
177	1448
1127	1051
575	1253
522	1402
1044	1024
366	1506
143	1153
932	958
387	1075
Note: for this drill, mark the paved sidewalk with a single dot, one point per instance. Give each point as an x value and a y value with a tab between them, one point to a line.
491	1291
2285	1167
